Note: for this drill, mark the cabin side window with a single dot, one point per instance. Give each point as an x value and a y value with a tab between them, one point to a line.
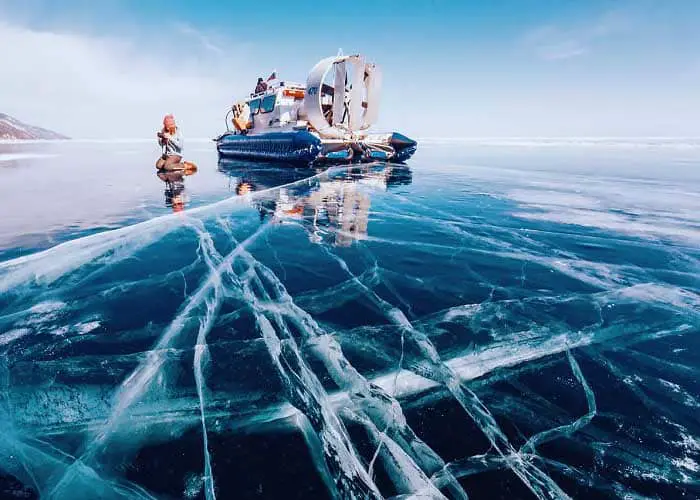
254	106
268	103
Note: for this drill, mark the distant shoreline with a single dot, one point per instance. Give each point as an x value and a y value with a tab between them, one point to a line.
24	141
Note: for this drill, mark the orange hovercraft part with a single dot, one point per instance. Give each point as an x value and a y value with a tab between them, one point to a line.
241	119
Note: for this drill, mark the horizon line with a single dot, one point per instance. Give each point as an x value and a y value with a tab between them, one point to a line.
424	138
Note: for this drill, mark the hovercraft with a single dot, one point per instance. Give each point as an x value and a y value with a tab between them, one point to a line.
317	122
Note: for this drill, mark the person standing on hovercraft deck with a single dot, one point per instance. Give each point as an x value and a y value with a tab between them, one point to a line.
260	86
170	138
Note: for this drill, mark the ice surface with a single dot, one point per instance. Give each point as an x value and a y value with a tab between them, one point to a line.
7	157
420	340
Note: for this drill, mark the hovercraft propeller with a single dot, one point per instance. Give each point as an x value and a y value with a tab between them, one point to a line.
337	111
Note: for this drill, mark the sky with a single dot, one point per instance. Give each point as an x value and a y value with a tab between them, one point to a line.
476	68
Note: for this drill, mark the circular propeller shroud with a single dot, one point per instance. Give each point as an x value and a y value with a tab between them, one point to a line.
350	115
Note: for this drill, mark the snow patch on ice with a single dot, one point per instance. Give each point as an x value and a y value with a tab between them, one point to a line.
462	311
46	307
62	330
670	385
651	292
688	442
13	335
687	463
193	486
83	328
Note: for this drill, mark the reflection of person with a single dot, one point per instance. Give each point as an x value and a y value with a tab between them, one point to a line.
174	189
170	138
178	202
244	187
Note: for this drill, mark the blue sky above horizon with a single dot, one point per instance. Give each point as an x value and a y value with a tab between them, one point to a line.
451	68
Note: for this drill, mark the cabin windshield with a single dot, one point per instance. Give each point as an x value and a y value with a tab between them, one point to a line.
268	103
254	106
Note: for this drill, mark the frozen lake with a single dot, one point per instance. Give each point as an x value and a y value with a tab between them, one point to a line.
495	319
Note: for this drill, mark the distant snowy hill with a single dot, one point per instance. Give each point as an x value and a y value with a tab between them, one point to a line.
11	128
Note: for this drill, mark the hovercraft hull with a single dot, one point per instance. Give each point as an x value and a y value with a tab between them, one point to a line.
301	146
295	147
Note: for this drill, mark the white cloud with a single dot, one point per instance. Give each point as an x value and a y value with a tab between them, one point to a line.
203	39
564	49
555	42
99	87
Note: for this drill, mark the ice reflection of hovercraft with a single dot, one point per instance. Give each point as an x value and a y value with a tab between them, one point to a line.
380	175
175	197
247	176
334	208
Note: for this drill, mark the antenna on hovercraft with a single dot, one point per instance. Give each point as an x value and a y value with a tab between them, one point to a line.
340	52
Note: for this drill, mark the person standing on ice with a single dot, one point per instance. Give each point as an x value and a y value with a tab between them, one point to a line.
170	138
